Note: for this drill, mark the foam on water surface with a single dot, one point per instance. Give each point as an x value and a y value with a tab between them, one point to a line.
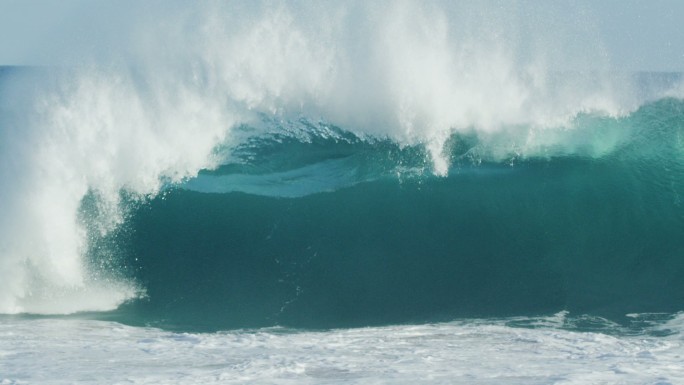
61	351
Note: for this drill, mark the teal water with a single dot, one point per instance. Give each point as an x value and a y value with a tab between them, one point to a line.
339	231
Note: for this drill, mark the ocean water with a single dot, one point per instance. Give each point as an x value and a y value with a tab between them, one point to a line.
355	194
548	350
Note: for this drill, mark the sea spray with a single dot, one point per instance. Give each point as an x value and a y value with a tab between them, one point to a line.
89	134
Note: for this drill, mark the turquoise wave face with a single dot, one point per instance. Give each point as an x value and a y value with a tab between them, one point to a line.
303	157
338	230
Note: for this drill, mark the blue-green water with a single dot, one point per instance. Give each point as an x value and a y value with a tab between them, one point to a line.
339	231
297	222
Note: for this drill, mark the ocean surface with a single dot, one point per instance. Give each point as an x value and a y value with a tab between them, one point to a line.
276	202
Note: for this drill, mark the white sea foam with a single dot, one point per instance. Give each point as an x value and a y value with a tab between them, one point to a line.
93	133
473	352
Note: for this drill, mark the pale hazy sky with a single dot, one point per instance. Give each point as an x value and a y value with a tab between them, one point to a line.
646	35
636	35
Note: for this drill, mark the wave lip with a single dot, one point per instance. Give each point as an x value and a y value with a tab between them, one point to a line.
327	176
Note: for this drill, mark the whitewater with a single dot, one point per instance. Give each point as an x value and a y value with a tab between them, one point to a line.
394	192
473	352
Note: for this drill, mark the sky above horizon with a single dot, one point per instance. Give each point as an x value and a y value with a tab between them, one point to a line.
636	35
